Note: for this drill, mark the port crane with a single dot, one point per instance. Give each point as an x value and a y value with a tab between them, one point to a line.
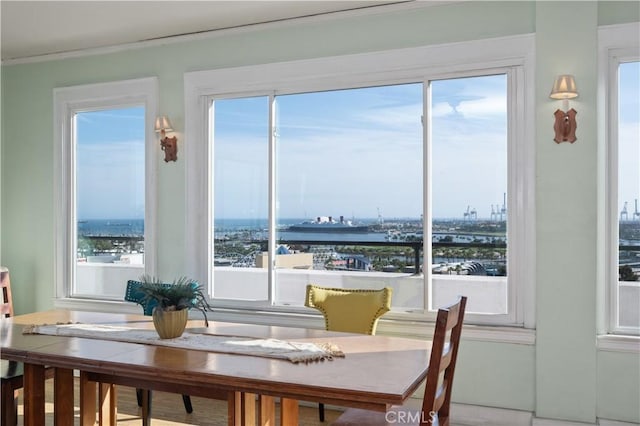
636	214
624	213
494	214
470	214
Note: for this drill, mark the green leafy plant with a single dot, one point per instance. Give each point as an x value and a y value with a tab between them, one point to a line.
183	293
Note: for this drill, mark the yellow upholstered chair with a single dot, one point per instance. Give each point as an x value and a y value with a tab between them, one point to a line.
348	310
437	393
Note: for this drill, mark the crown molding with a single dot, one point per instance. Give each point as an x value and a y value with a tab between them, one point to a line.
204	35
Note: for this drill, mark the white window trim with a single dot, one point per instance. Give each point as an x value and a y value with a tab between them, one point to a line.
616	44
67	101
361	70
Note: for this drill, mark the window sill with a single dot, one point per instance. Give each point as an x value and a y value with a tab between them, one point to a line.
619	343
480	333
297	318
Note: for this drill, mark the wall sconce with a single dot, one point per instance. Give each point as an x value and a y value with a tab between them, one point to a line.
565	125
168	145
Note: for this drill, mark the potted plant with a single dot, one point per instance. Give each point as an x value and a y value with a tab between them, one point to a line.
172	303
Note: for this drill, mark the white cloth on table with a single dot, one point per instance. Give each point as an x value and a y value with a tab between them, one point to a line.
295	352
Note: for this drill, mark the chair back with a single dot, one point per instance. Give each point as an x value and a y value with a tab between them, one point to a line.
349	310
6	301
8	369
134	294
444	352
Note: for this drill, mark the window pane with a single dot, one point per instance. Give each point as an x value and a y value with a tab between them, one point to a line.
110	199
240	197
629	193
469	191
349	172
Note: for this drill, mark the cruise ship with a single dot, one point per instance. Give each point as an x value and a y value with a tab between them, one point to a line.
328	224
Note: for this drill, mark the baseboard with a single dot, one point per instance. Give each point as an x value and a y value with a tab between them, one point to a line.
476	415
605	422
470	415
600	422
554	422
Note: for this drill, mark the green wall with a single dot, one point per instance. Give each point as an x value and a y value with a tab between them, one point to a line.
566	216
562	376
618	12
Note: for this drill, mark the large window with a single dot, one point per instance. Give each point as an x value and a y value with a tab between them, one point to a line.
110	190
626	288
620	72
103	172
629	194
241	196
469	184
363	179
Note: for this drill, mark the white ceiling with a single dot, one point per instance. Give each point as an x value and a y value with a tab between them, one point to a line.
33	28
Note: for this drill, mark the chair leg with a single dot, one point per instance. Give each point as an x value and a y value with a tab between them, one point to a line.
187	403
139	397
146	407
321	412
15	410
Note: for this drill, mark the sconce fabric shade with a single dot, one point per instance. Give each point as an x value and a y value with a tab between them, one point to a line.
564	88
163	124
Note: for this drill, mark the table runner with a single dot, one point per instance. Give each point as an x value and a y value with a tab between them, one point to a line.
295	352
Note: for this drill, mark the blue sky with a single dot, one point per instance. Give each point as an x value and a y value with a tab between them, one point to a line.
629	136
354	152
110	164
349	152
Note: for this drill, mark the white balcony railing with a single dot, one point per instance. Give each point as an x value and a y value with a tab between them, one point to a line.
486	294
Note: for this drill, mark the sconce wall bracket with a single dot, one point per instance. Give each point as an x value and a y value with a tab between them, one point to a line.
170	148
168	145
565	126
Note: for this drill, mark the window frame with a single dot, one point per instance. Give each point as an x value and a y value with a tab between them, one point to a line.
399	66
617	44
93	97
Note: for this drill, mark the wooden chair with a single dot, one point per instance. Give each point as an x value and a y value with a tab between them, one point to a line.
11	372
437	394
348	310
133	294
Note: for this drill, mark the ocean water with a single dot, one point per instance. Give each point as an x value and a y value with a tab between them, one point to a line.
111	228
256	229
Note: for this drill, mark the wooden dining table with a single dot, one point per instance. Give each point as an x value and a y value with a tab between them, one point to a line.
375	373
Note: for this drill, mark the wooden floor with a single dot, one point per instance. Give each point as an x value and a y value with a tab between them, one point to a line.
168	410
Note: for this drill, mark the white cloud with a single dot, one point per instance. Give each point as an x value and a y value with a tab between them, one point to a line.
481	108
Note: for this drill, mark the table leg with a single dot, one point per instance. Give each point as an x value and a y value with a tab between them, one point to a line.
33	395
63	396
231	408
288	412
108	404
9	402
87	400
249	408
242	409
267	410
